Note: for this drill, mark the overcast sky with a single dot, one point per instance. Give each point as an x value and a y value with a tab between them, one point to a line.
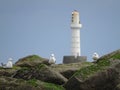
42	27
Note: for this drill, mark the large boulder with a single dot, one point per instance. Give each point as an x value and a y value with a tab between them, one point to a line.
103	75
104	80
40	72
68	73
67	70
117	87
7	83
8	72
30	61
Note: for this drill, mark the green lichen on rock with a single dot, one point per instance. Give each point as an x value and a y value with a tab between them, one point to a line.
31	61
32	82
33	57
41	66
45	85
50	86
100	65
87	71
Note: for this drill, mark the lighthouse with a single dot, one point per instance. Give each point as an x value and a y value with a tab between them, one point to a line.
75	30
75	26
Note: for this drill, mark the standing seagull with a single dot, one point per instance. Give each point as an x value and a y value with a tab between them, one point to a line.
95	56
52	59
9	63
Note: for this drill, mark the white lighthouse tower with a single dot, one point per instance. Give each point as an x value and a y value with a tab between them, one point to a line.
75	27
75	42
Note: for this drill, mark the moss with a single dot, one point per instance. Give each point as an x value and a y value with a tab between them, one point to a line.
116	56
32	82
23	69
75	66
87	71
1	67
50	86
41	66
33	57
46	86
16	67
103	63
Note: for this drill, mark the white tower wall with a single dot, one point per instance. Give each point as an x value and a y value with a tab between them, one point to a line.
75	27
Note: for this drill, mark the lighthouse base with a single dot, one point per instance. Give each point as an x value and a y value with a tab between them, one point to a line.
73	59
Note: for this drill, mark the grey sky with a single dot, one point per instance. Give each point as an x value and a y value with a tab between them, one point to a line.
42	27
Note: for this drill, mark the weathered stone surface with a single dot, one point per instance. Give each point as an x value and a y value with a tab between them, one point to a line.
104	80
41	72
37	74
117	87
8	72
7	83
68	73
31	61
67	70
103	75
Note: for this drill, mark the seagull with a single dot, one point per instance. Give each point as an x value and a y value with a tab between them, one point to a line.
95	56
9	63
52	59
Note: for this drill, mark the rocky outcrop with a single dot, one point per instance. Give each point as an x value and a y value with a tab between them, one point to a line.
31	61
68	73
104	80
35	73
41	72
7	83
103	75
67	70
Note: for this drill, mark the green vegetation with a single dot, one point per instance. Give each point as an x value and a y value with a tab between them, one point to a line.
87	71
41	66
16	67
33	57
116	56
76	66
46	86
32	82
1	67
23	69
50	86
100	65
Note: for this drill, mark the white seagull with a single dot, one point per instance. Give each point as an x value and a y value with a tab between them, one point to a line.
52	59
9	63
95	56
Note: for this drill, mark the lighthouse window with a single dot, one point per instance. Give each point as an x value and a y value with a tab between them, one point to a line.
72	17
72	20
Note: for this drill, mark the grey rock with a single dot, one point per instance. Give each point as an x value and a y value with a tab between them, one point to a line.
30	61
41	72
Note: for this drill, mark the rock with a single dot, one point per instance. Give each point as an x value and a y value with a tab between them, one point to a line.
35	73
67	70
41	72
104	80
68	73
31	61
8	71
7	83
112	55
117	87
103	75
